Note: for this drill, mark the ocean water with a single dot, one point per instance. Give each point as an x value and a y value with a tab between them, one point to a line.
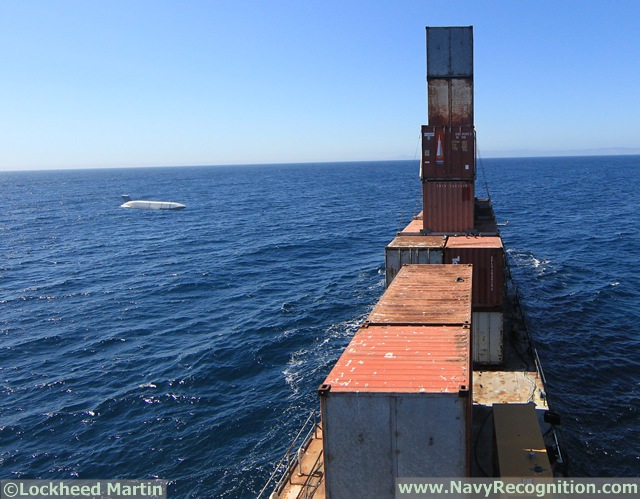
189	345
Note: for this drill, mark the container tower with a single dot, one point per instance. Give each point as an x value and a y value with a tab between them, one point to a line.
448	162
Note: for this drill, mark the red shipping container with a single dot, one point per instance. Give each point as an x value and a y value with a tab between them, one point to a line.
448	152
486	253
448	206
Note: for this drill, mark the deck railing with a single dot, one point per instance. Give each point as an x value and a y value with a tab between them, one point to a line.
290	460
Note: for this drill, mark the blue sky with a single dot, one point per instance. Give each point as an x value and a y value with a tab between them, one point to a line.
159	82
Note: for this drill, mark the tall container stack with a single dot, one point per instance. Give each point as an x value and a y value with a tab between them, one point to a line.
447	164
448	171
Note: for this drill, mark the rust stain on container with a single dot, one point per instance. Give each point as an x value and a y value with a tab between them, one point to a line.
448	152
426	295
450	101
486	253
387	400
407	359
448	206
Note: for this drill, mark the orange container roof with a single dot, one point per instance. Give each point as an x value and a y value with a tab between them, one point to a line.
431	294
415	226
407	359
474	242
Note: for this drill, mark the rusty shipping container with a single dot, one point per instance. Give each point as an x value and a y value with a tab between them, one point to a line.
450	52
387	403
486	253
448	152
405	250
448	206
426	295
450	102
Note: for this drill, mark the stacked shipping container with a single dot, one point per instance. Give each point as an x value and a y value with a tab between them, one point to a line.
448	206
405	250
447	170
448	153
450	101
486	254
447	163
400	396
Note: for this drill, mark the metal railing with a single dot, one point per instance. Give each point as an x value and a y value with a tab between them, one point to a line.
291	458
313	480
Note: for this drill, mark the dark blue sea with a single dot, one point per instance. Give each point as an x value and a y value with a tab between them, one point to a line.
189	345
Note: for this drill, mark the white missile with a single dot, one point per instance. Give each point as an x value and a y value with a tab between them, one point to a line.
150	205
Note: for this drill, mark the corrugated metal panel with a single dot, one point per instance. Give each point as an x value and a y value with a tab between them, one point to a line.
450	102
426	295
404	359
371	439
450	52
486	253
357	430
448	206
463	151
486	332
404	250
448	152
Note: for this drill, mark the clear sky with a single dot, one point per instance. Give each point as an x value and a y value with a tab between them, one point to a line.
159	82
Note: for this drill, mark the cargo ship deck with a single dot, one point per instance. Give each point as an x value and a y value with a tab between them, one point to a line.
517	381
442	379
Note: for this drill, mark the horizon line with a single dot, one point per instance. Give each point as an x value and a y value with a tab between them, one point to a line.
603	152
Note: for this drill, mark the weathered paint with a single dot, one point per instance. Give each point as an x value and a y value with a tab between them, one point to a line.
405	250
487	336
486	253
385	406
448	206
371	439
508	385
426	295
450	102
405	359
448	153
450	52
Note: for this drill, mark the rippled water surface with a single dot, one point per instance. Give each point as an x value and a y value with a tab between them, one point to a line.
188	345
